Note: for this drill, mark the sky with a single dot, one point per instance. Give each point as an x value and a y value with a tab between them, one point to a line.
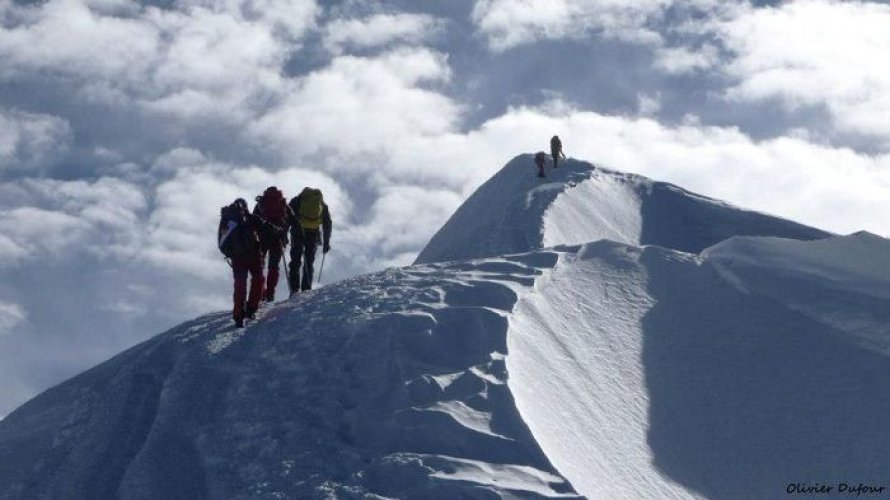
126	125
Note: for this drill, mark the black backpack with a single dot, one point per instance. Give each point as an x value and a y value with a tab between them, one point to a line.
236	237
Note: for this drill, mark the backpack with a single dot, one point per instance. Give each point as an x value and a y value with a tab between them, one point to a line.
310	209
272	205
235	235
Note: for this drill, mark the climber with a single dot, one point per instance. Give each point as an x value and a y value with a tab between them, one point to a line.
540	160
272	207
556	150
238	240
310	224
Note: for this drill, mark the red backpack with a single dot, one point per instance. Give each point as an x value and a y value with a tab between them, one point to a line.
273	205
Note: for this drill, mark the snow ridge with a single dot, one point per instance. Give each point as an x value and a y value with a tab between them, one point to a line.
515	211
391	384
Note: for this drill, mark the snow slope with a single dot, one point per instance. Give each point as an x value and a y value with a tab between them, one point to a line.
651	373
515	211
391	384
605	366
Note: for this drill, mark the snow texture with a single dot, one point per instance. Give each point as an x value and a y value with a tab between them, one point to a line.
642	354
390	385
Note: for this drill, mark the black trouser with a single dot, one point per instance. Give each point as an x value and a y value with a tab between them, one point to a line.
274	254
303	245
555	154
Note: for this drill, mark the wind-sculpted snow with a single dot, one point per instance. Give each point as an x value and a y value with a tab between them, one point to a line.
841	282
392	384
644	372
515	211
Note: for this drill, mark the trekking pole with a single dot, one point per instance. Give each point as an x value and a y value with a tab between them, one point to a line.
290	288
321	269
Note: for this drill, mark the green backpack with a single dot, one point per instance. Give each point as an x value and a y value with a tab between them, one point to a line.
311	205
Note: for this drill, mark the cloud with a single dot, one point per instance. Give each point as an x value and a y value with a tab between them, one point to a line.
814	53
38	230
68	37
286	18
360	107
30	142
51	217
399	224
11	316
511	23
205	59
10	252
380	30
679	60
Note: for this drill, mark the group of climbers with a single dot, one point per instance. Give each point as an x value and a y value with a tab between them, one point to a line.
251	241
555	152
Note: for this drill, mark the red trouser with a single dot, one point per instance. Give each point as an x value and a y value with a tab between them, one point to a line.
251	262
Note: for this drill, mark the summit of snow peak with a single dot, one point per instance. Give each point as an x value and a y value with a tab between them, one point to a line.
515	211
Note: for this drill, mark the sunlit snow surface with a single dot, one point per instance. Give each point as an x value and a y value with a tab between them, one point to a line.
646	372
643	355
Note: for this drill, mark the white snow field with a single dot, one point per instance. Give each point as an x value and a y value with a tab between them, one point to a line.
662	345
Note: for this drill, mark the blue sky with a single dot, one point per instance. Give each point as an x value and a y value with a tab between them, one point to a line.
125	125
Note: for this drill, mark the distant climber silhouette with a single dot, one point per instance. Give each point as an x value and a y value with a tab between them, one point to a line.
540	160
556	150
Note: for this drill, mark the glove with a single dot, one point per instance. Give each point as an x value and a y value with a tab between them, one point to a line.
326	248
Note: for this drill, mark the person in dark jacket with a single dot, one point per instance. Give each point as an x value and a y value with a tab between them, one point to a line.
556	150
310	224
239	237
540	160
272	207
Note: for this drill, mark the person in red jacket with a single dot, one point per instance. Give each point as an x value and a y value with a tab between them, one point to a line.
272	207
238	239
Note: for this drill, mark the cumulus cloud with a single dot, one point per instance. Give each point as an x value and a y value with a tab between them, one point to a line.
510	23
10	252
30	142
380	30
814	53
400	222
287	18
360	107
679	60
69	37
11	315
202	59
51	217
